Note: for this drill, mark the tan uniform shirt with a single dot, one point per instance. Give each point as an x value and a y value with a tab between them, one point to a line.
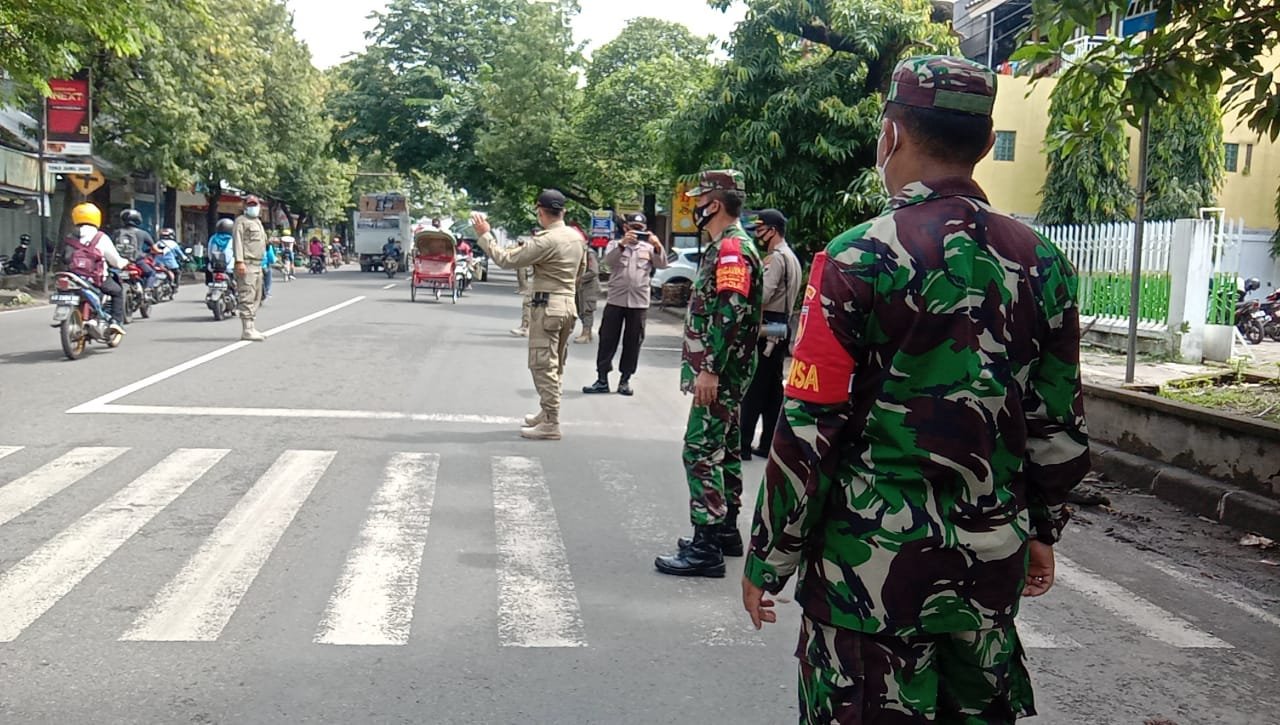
783	280
556	254
249	240
630	268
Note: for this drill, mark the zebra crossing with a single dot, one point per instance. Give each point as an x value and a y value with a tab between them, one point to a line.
373	593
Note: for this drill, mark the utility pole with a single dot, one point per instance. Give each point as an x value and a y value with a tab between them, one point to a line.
1135	271
43	204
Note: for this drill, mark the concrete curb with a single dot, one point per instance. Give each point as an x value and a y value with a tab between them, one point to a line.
1191	491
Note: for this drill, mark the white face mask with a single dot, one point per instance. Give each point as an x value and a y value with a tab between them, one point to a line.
882	169
251	212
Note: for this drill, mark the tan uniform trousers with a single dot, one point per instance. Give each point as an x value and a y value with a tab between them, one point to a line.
525	308
249	292
551	327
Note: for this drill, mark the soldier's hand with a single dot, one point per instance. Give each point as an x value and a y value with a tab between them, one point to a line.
754	601
1039	569
481	224
705	388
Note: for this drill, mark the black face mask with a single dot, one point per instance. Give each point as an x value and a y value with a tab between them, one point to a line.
702	217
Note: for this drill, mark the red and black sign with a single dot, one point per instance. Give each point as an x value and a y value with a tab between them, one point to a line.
68	118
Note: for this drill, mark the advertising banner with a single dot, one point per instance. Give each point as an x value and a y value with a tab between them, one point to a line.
68	125
682	211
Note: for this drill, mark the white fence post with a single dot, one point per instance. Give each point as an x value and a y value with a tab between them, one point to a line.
1190	270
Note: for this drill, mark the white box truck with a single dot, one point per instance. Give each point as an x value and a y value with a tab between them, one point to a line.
380	217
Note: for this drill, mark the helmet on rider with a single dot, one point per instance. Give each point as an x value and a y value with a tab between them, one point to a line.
25	238
1252	284
86	213
168	233
131	217
224	226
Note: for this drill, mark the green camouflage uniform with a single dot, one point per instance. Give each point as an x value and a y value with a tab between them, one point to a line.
934	423
719	337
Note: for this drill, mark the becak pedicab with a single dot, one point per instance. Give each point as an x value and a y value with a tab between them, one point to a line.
434	263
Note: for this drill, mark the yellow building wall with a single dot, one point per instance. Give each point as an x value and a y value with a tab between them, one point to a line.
1014	186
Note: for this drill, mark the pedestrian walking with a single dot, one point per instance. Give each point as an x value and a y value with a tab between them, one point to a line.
933	426
631	262
719	356
558	259
249	244
783	280
588	295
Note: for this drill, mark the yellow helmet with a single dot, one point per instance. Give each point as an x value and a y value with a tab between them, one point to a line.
86	214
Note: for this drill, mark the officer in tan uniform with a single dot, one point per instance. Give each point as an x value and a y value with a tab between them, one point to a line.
558	259
249	242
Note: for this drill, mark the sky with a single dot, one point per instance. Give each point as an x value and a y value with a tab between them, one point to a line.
335	29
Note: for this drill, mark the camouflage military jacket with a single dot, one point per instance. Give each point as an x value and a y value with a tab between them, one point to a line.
934	420
724	311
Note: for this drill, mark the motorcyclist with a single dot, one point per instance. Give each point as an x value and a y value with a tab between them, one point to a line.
392	249
134	242
87	219
222	255
316	250
171	254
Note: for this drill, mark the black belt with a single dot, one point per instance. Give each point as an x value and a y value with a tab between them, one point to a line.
776	316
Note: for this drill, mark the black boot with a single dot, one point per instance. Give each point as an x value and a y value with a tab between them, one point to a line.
599	386
702	557
624	387
726	533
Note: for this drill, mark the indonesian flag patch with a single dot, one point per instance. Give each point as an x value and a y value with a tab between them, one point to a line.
732	272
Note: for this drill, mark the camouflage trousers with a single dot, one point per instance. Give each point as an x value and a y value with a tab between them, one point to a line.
713	457
960	678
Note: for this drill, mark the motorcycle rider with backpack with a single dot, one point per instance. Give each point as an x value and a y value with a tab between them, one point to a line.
133	242
222	255
90	252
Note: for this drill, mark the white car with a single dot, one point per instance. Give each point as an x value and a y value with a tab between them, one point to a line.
682	266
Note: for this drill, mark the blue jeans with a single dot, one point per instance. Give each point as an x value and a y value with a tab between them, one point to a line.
266	282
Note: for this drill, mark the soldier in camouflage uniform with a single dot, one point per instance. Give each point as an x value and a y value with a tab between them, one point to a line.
933	426
718	360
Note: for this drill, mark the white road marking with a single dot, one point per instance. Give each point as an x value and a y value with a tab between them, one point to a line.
373	601
36	583
1152	620
26	309
29	491
662	349
718	619
97	404
393	284
1208	588
537	604
198	603
1036	635
9	450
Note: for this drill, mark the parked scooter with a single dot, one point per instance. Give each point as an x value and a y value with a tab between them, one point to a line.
1249	315
80	316
17	264
1271	308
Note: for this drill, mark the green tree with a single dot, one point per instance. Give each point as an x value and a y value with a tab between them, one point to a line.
1185	158
646	39
797	106
1088	160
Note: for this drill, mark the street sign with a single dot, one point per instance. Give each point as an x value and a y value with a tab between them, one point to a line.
88	184
1139	18
61	167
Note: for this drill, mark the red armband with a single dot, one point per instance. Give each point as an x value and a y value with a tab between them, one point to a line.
821	369
732	272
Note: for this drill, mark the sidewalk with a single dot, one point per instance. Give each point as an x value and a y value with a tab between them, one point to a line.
1099	367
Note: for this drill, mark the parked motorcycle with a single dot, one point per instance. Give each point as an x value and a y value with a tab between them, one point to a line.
80	316
316	265
1271	308
390	265
221	297
137	301
17	264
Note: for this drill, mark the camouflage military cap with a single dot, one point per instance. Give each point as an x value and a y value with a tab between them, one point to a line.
719	180
944	83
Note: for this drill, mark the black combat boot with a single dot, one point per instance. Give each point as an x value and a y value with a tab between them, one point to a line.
726	533
702	557
601	385
624	386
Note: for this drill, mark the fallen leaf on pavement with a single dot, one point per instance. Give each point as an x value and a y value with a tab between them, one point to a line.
1255	541
1269	562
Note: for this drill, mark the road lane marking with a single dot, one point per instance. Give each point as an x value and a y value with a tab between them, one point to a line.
718	619
1152	620
96	405
373	601
393	284
1034	634
26	309
29	491
36	583
1212	591
9	450
537	604
197	604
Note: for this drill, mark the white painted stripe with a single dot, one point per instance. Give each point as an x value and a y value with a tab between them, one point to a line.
1209	589
662	349
36	583
393	284
1034	634
1152	620
9	450
94	405
24	494
198	603
373	601
537	605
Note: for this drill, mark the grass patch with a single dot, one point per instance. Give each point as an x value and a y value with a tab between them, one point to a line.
1253	400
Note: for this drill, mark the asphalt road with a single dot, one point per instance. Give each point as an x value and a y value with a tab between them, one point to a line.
342	525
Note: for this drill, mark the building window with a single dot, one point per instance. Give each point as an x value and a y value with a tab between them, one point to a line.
1004	145
1232	156
1248	158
